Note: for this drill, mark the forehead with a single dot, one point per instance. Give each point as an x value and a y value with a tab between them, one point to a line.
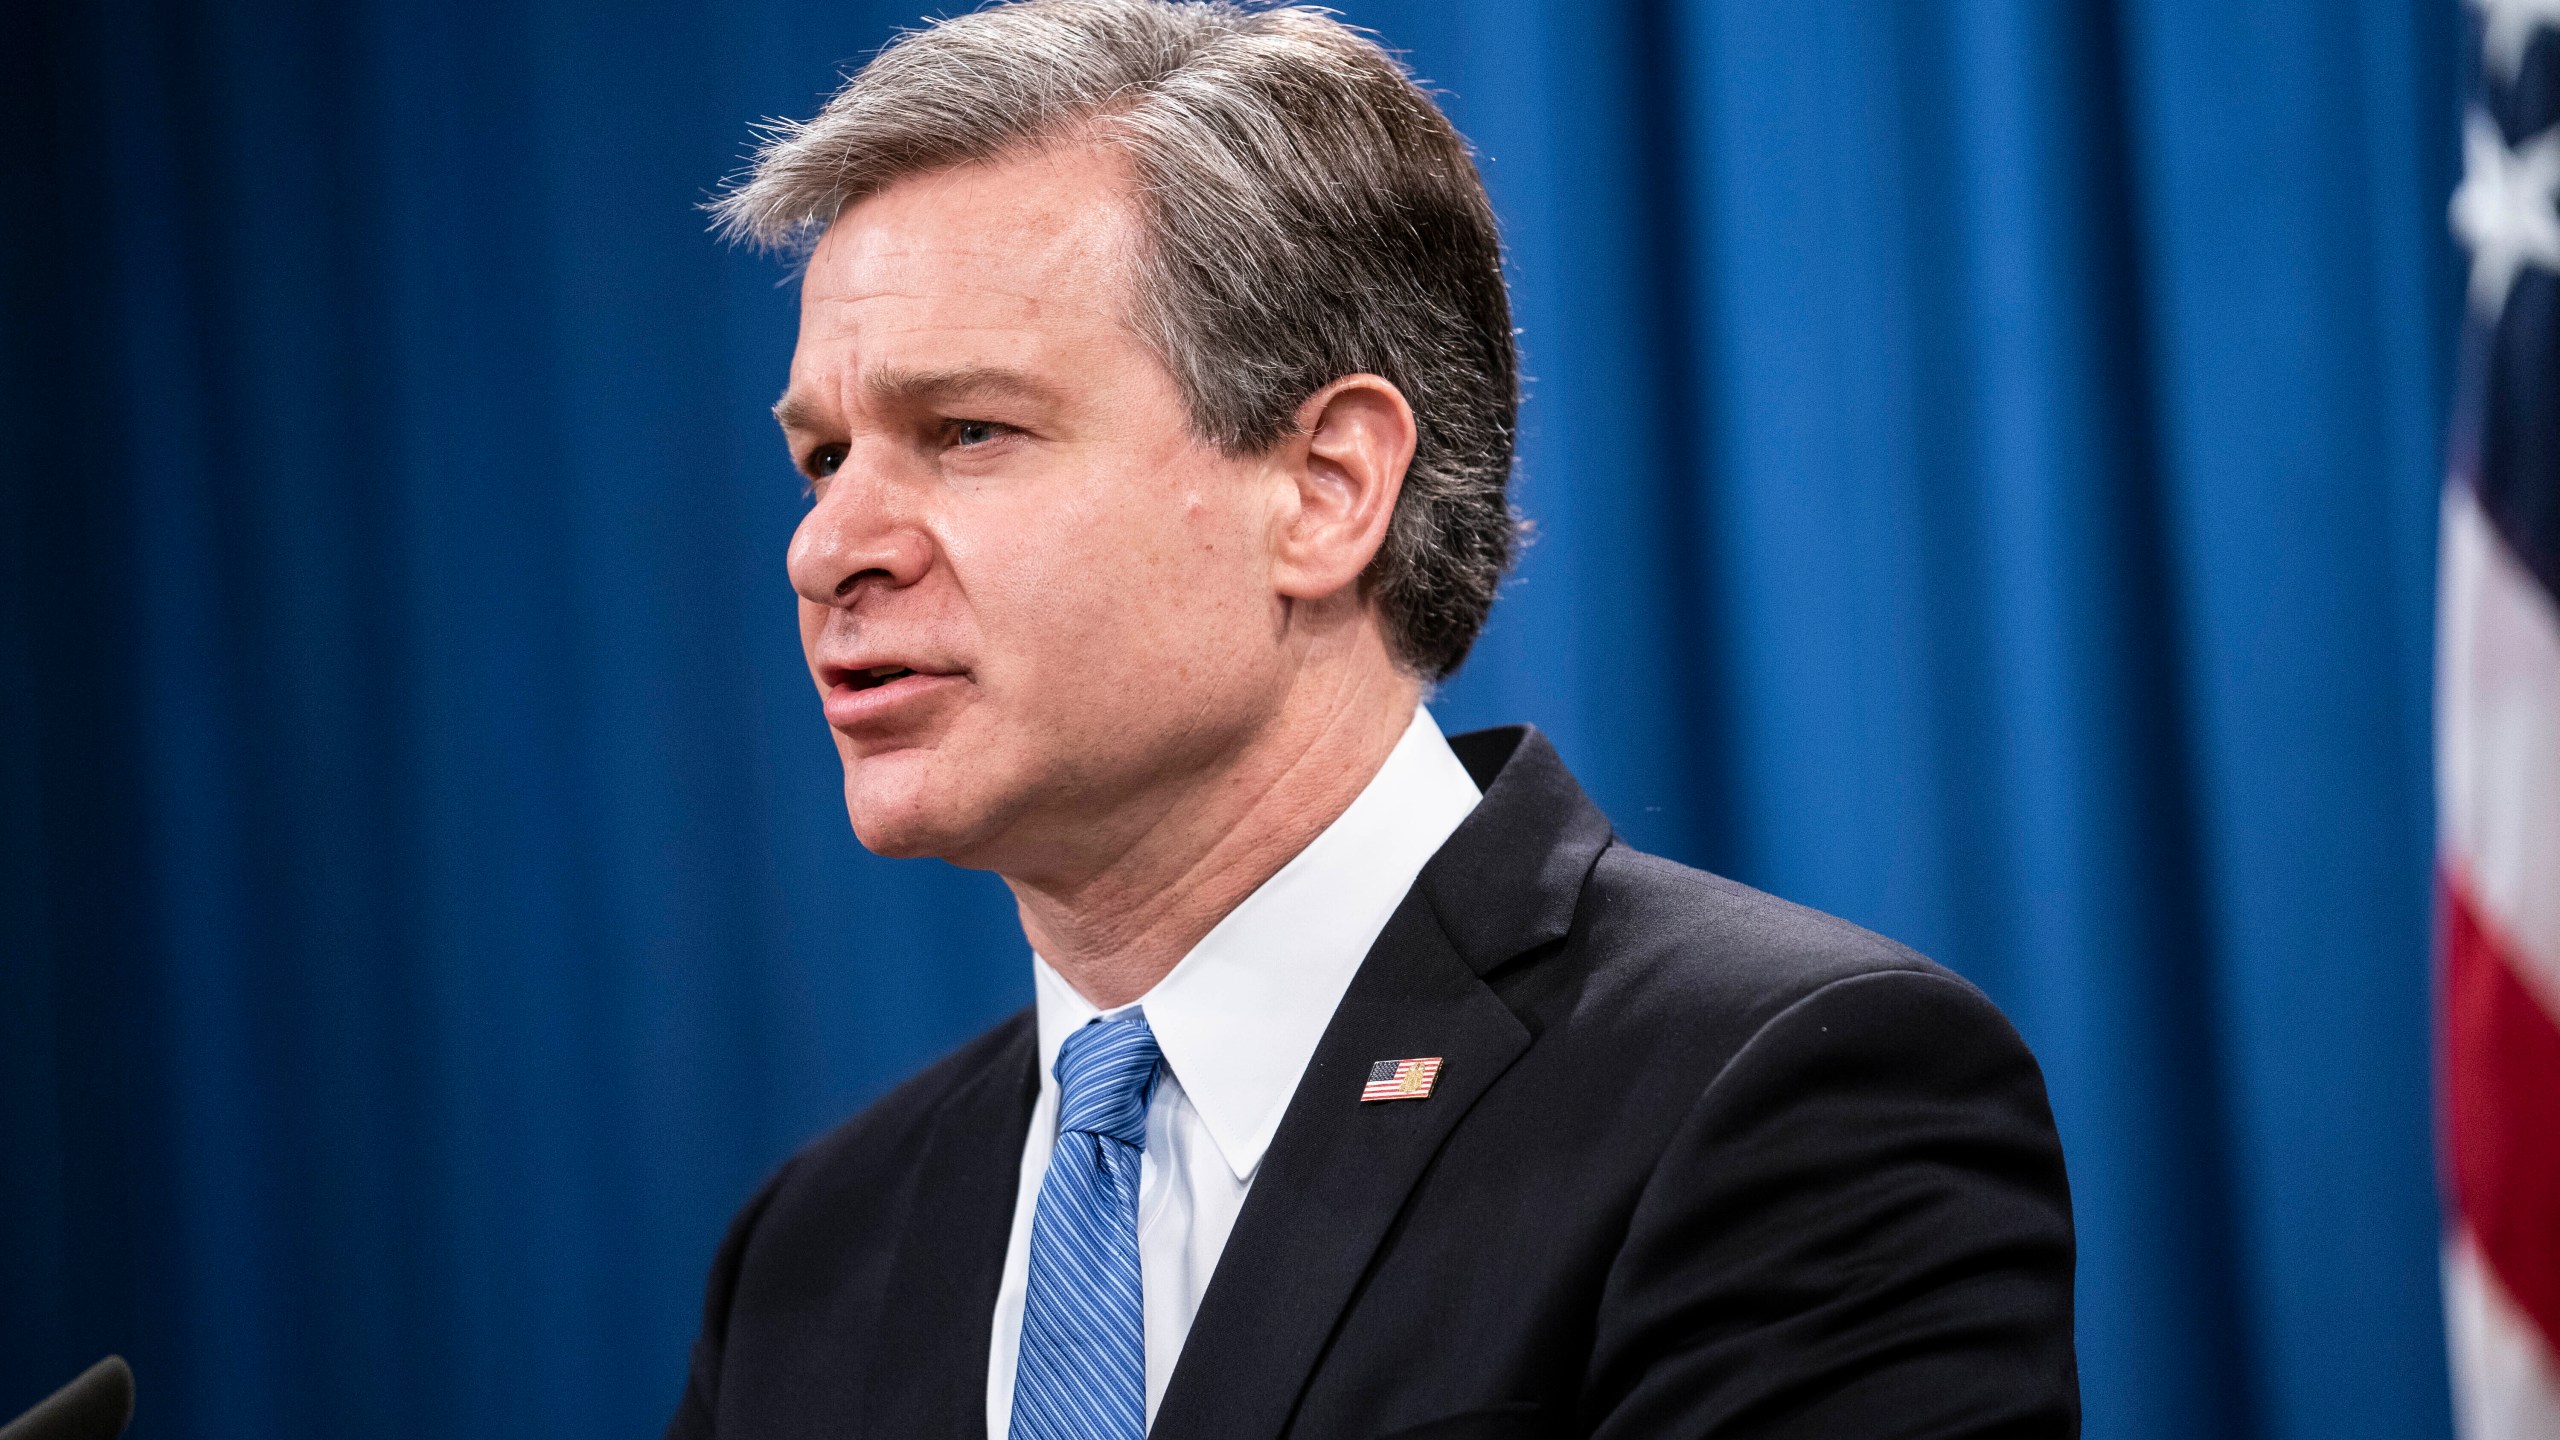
1005	263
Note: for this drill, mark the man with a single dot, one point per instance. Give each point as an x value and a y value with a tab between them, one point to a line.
1155	389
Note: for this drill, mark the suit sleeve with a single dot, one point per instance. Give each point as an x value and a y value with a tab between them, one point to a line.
1861	1229
696	1411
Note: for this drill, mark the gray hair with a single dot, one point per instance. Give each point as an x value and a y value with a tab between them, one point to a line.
1308	214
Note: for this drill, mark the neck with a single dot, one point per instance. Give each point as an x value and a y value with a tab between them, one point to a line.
1115	931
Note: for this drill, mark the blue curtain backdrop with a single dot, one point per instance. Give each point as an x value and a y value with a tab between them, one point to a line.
1984	461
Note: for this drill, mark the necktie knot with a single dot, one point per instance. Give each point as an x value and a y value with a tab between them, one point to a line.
1105	1071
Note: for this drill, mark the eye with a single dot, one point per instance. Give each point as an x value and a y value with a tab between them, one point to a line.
825	460
968	433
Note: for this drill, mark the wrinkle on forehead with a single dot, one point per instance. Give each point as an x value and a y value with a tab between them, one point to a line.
1025	227
1010	306
1023	265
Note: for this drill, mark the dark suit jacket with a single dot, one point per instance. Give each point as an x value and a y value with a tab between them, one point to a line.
1699	1162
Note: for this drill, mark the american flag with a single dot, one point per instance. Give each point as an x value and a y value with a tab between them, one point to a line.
1401	1079
2498	744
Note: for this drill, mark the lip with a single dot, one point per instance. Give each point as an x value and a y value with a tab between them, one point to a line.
849	708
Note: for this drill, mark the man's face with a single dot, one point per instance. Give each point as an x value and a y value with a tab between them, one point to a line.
1033	603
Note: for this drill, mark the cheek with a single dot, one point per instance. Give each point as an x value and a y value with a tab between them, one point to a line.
1127	580
1211	565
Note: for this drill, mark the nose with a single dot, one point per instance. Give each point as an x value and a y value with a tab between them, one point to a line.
855	538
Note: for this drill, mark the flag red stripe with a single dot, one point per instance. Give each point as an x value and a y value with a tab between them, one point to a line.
2502	1112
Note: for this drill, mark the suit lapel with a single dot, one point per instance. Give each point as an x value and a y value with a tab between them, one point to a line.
1339	1171
928	1372
1334	1179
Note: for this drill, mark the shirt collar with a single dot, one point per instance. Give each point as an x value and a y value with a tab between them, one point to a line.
1238	1019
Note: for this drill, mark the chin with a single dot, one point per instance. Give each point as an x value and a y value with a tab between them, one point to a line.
908	821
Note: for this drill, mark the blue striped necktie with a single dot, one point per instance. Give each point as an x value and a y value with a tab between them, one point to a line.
1083	1371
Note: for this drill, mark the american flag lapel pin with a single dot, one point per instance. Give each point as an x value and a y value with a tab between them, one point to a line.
1401	1079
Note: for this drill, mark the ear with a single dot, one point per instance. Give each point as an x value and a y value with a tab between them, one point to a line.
1346	468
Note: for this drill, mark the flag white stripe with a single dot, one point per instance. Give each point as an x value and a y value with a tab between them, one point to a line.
2505	1383
2498	741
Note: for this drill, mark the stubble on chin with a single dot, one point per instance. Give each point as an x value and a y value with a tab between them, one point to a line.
893	813
915	803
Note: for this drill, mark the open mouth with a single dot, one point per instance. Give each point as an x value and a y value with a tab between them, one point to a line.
877	676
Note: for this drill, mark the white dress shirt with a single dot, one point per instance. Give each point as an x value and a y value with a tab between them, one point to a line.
1237	1021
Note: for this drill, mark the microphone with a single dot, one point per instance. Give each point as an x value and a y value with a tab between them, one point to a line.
97	1406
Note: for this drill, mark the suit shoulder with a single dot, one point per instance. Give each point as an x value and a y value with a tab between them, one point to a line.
1676	942
1646	900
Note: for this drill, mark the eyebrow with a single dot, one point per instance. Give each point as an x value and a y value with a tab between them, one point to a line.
893	386
797	412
